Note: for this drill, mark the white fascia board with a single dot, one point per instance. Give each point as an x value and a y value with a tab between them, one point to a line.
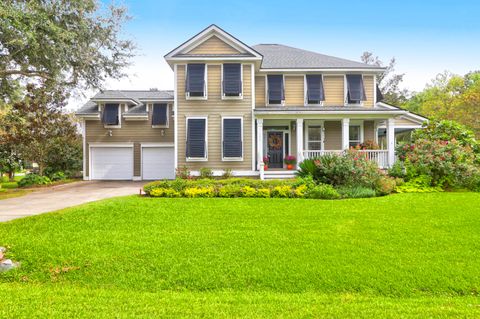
257	112
324	70
88	116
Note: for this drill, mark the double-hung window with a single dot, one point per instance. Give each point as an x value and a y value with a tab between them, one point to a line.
276	94
195	81
160	115
232	80
315	93
355	89
111	115
196	148
232	139
354	135
314	138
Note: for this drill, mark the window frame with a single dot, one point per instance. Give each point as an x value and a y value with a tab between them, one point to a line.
345	91
205	85
267	99
119	125
232	159
226	97
305	90
168	117
307	136
358	124
196	159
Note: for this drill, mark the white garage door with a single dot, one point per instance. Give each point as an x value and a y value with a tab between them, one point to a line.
112	162
158	163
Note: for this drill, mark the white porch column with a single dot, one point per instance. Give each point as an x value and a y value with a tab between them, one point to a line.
391	141
345	134
299	141
259	142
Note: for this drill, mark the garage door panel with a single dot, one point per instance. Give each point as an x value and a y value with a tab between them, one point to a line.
112	163
158	163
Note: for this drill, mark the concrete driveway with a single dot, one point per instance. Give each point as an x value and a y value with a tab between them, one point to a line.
62	196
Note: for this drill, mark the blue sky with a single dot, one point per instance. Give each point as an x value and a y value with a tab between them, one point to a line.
426	37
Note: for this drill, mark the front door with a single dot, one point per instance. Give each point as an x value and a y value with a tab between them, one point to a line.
275	149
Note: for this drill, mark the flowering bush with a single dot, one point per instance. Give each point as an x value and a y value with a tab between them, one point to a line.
199	192
351	169
368	145
282	191
290	159
266	160
164	192
447	163
322	191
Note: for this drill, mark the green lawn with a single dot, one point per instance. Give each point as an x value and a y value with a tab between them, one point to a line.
408	256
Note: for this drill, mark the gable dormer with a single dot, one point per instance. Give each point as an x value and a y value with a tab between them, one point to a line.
211	44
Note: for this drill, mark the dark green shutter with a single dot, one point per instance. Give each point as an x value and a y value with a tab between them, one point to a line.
232	138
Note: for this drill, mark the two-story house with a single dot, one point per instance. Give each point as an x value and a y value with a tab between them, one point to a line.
232	106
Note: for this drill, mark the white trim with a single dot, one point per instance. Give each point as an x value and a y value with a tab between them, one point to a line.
325	112
94	116
175	115
267	98
252	89
114	101
168	117
197	159
305	89
136	178
205	85
232	159
374	90
164	144
205	35
239	97
338	70
220	172
83	124
110	144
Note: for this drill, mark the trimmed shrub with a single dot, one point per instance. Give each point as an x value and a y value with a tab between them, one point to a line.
284	191
322	191
248	191
230	191
420	184
227	173
206	172
164	192
385	185
356	192
263	192
300	191
34	179
193	192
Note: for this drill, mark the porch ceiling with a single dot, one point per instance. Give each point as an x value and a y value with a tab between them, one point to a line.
326	112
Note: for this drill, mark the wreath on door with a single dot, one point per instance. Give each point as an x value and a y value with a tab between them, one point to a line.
275	142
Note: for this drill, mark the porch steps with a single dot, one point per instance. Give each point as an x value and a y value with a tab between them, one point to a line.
280	174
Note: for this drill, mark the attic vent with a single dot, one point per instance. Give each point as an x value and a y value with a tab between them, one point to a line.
153	89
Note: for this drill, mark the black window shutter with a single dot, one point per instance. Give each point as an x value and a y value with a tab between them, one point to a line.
196	138
232	138
232	79
196	79
355	89
110	114
275	89
159	114
315	92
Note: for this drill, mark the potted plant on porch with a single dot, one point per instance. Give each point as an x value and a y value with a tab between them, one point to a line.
265	162
290	160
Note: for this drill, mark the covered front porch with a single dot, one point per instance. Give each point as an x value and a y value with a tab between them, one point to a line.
312	136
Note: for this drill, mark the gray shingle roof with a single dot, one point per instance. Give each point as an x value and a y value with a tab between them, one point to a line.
278	56
135	95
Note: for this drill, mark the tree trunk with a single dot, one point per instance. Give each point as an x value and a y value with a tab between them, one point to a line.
11	176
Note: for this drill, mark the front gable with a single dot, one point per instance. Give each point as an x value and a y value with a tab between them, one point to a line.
214	45
213	42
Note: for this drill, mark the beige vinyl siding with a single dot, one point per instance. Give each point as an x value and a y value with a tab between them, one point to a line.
294	90
405	122
368	131
214	46
260	91
214	108
369	90
333	135
334	90
136	132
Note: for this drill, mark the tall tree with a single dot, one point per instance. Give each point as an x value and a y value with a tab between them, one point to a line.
36	125
389	81
450	97
68	44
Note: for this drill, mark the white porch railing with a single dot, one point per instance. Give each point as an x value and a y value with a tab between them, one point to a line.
378	156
